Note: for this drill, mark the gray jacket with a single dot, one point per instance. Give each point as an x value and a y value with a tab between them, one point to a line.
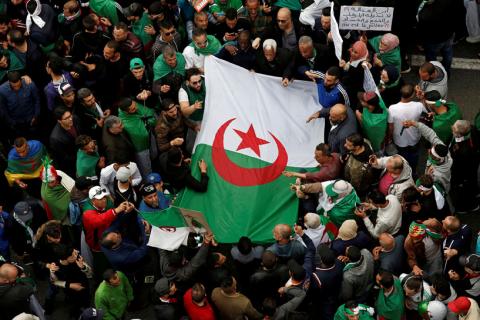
298	296
439	84
337	136
358	278
441	172
402	182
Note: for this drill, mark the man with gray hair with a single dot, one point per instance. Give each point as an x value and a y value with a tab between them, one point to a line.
275	61
115	141
464	150
317	229
311	56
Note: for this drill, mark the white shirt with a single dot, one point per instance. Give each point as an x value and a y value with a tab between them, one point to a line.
107	176
389	219
182	95
400	112
192	59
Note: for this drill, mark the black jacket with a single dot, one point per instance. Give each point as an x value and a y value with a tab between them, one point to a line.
64	150
180	177
281	66
117	145
15	299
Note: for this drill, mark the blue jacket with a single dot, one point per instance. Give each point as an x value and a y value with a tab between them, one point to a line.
19	106
163	203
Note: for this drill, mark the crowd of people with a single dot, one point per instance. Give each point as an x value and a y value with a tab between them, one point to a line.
379	232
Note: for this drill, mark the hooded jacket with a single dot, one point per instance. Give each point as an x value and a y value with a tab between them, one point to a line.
357	277
402	182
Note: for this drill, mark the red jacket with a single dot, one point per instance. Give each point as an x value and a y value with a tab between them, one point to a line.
94	224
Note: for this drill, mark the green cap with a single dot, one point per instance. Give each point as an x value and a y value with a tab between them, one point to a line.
330	192
136	63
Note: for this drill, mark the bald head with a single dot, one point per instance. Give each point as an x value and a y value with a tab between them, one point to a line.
282	232
8	273
284	19
451	224
338	113
395	164
386	240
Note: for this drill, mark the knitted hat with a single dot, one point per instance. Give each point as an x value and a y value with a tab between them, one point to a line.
459	305
348	230
417	230
123	174
337	188
162	286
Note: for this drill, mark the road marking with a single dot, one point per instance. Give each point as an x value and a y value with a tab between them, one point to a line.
457	63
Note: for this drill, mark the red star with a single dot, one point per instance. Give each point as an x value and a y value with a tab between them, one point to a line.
250	140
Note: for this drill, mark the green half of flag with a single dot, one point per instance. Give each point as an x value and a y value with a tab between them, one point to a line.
233	211
170	217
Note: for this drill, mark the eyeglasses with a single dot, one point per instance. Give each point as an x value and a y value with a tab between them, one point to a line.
196	82
169	33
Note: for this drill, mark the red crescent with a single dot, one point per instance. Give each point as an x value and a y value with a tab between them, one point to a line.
245	177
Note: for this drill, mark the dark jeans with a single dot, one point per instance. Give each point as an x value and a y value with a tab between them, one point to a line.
445	48
410	154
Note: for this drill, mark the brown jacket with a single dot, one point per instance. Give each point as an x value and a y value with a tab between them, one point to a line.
234	307
168	129
416	250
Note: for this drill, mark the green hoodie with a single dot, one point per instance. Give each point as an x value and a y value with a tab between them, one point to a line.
135	126
114	300
138	28
105	8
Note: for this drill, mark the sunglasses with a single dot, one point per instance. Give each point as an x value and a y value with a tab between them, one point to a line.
170	33
196	82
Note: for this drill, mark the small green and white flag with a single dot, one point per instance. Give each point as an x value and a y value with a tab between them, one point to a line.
253	129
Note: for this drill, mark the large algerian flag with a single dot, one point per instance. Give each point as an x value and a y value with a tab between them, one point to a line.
252	130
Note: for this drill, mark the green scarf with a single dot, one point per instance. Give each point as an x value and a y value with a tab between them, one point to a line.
86	163
391	57
374	126
194	96
392	306
138	28
344	209
213	46
161	68
135	127
105	8
57	200
442	123
14	64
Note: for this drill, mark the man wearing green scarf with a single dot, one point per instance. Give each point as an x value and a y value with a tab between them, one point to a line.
390	303
89	161
446	113
55	196
202	45
373	118
169	72
141	24
106	8
138	120
191	98
337	199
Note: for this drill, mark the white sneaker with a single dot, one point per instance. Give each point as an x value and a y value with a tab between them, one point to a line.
475	39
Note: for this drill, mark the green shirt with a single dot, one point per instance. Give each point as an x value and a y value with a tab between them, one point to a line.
135	126
114	300
290	4
442	123
87	163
